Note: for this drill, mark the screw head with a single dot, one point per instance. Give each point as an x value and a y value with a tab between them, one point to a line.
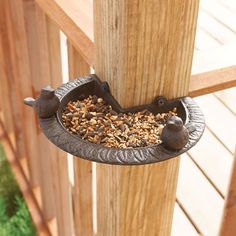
160	101
105	87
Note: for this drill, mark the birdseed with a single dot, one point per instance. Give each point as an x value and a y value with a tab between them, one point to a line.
94	120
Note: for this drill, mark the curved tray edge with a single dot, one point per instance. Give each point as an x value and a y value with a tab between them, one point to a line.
128	156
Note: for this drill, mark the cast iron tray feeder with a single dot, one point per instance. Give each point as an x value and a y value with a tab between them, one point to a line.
51	104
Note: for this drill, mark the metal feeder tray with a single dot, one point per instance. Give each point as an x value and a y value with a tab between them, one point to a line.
52	103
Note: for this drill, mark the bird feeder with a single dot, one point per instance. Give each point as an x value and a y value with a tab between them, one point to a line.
178	136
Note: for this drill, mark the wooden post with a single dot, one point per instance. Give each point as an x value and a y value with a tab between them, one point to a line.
143	49
228	226
82	193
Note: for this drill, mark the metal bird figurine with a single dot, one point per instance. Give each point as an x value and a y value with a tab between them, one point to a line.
46	104
174	135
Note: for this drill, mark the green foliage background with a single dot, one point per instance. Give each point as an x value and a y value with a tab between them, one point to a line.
14	216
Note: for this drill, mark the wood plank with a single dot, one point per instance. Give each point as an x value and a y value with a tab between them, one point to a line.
44	47
77	65
199	199
228	97
82	197
8	72
60	171
181	224
212	81
219	119
228	226
81	12
69	25
82	191
215	29
6	107
216	161
220	13
62	195
35	212
25	167
38	196
204	41
35	21
19	80
140	200
229	4
210	60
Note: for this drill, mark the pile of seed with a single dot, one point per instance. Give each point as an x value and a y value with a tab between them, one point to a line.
94	120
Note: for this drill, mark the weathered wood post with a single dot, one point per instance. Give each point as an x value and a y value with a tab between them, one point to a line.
143	49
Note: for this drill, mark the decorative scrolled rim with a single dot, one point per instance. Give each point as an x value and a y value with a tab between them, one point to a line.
121	156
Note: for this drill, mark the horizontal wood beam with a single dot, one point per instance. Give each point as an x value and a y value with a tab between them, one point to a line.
36	214
75	19
212	81
67	14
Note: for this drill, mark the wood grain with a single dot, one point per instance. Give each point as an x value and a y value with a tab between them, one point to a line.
77	65
75	19
81	12
228	226
141	59
212	81
36	24
206	215
60	171
44	48
130	25
82	191
82	197
69	24
6	107
136	200
17	78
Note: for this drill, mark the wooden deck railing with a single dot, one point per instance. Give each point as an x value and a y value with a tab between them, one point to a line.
30	58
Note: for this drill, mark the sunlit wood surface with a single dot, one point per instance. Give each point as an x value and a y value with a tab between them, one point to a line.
205	169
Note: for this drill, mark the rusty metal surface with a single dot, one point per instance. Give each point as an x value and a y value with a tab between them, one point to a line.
53	128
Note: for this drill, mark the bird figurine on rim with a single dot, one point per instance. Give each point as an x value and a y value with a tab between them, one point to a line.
174	135
46	105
